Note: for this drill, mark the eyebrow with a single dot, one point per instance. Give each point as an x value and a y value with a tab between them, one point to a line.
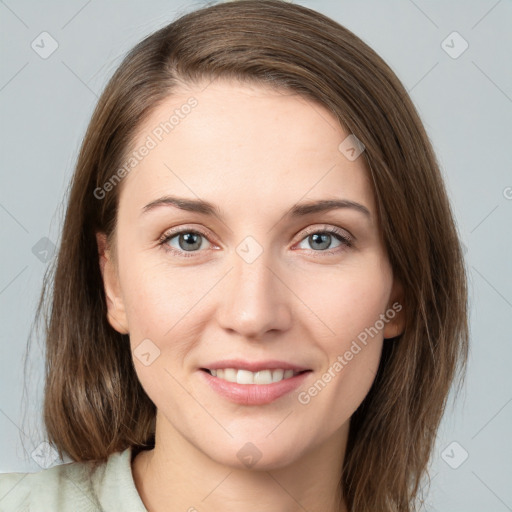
298	210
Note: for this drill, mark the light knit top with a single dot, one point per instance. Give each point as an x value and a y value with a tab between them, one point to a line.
74	487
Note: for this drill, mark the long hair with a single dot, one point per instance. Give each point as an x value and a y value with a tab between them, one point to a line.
94	404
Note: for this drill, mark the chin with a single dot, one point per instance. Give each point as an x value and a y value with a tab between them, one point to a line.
257	455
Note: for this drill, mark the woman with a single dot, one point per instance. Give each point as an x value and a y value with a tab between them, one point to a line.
203	351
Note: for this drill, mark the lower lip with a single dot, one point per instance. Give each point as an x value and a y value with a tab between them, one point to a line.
253	394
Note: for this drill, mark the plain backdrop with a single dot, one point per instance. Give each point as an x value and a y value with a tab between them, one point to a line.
454	59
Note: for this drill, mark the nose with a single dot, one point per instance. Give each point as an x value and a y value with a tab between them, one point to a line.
255	299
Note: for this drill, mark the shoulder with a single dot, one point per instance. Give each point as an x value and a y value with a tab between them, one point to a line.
57	488
76	486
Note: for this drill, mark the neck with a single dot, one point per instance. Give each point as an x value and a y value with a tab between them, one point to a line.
176	476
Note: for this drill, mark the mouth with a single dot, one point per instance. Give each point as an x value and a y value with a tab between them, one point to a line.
243	376
263	383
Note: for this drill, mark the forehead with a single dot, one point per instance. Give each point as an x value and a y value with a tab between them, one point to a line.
241	146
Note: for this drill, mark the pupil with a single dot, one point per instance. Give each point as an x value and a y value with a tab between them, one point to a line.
190	241
325	237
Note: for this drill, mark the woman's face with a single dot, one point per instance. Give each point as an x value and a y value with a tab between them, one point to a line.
255	280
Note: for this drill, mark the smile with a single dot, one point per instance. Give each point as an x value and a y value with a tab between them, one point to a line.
253	388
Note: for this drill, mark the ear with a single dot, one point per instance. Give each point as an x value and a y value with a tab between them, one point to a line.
395	312
116	313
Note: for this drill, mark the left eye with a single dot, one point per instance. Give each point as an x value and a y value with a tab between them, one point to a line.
323	239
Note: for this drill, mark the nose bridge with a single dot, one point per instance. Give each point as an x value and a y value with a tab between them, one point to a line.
253	301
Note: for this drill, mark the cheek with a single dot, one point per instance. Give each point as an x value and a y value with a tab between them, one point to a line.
156	297
351	337
345	303
159	306
335	304
341	389
331	308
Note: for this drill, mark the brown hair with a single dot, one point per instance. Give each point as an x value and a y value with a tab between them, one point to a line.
94	404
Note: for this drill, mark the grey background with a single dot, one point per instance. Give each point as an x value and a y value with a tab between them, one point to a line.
465	103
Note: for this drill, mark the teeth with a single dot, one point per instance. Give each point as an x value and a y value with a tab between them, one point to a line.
277	375
229	374
244	377
247	377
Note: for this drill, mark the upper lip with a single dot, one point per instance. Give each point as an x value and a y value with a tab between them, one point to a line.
254	366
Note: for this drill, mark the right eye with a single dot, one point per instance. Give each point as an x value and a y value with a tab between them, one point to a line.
187	240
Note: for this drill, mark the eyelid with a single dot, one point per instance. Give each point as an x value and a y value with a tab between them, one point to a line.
183	229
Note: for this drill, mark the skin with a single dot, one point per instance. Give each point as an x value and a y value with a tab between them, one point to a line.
254	152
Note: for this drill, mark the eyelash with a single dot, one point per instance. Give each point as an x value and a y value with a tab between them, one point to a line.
347	241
